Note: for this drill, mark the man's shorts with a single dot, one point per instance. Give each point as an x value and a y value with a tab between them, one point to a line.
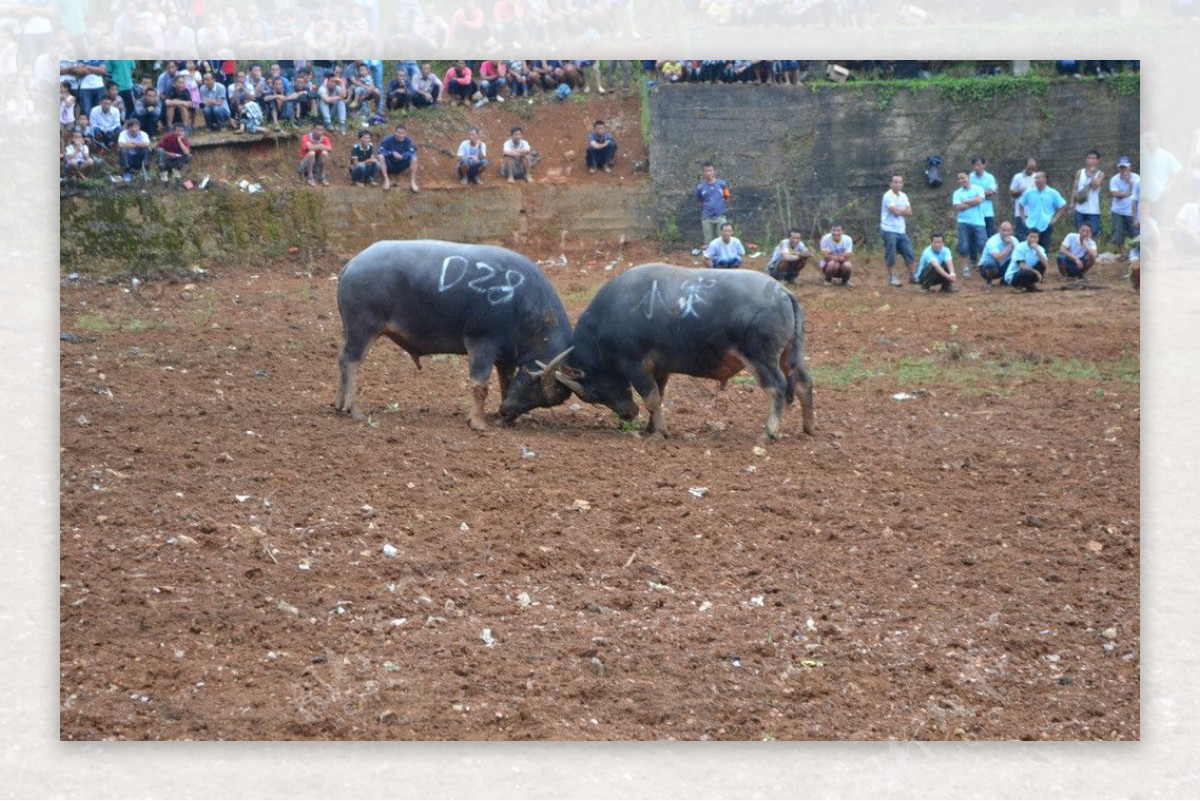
397	166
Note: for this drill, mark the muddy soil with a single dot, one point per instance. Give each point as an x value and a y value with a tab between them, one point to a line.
959	563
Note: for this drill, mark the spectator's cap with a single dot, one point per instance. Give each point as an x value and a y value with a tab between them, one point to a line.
1123	162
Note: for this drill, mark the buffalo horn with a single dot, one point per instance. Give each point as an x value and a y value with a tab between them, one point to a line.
549	371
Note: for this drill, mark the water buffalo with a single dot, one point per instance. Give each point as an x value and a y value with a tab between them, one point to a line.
655	320
430	297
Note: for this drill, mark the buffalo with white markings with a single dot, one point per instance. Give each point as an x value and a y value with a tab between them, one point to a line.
656	320
432	297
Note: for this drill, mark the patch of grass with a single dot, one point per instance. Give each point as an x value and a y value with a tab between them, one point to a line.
393	408
853	372
743	380
204	305
94	322
580	297
630	426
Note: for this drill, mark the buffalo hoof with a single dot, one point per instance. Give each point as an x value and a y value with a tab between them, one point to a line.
477	425
357	414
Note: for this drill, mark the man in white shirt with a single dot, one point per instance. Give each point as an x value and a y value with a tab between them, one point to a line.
726	251
517	152
836	261
1084	196
1122	189
894	208
133	145
1021	182
1077	253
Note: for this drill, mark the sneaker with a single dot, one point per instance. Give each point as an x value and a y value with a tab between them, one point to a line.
371	181
967	271
846	282
607	168
126	177
510	179
479	180
324	181
463	180
164	175
310	181
591	170
528	179
828	280
894	281
912	279
499	99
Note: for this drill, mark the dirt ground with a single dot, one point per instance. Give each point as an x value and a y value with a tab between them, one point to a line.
954	555
962	564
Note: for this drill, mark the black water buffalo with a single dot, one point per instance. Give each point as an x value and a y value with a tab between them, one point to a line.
430	297
655	320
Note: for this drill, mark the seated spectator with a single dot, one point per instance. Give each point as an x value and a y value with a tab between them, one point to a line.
214	103
306	98
472	158
936	267
252	117
836	248
398	153
493	79
1185	233
517	78
174	152
166	78
133	146
77	158
277	104
789	258
726	251
541	74
238	94
333	102
601	148
996	253
426	88
1028	265
118	102
589	74
177	104
671	71
458	83
104	124
315	156
1077	253
363	162
398	94
517	152
364	92
147	110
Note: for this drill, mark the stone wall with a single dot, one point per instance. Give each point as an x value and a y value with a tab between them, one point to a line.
144	233
804	157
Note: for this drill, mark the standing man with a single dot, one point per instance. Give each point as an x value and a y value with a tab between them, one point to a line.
1021	182
968	201
937	267
516	153
1085	193
601	148
1043	206
997	253
1122	189
1027	266
713	196
982	178
836	248
725	252
472	158
397	154
894	227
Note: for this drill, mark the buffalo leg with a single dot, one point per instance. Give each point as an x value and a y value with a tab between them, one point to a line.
353	352
482	357
505	373
806	400
648	387
774	383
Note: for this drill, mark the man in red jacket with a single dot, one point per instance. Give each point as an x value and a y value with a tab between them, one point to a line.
315	149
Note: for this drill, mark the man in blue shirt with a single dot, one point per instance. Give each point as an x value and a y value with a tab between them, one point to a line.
1027	265
399	154
601	148
713	195
1043	206
968	201
936	267
726	251
982	178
